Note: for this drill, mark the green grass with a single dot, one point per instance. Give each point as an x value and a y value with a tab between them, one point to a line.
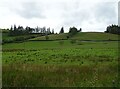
95	36
56	44
52	37
58	76
81	36
5	36
52	64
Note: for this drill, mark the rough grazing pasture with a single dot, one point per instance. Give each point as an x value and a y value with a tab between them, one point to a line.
52	64
81	36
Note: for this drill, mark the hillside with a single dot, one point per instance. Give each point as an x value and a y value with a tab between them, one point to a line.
10	39
81	36
95	36
52	37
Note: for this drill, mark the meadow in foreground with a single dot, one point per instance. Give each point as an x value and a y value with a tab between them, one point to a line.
60	64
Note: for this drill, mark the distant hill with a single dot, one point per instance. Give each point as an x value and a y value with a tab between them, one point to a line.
62	36
10	39
81	36
95	36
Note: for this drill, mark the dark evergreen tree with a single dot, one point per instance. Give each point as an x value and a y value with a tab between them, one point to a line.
52	31
11	28
15	27
80	30
37	30
62	30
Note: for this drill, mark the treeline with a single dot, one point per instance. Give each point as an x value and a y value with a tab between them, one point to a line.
114	29
15	31
72	31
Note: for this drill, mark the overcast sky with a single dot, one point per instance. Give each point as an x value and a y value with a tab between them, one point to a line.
90	15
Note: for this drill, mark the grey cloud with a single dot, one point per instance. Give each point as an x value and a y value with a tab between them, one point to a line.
119	13
106	12
75	15
101	12
64	12
76	18
30	10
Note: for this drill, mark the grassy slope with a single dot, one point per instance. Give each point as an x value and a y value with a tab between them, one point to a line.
56	44
52	37
82	36
79	36
7	38
95	36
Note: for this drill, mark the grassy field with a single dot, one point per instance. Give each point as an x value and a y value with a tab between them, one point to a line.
60	64
52	37
96	36
81	36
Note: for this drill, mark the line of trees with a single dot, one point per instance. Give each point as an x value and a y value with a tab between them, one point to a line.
62	30
15	31
114	29
20	30
72	30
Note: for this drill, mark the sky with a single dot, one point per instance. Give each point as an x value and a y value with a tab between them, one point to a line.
119	13
90	15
